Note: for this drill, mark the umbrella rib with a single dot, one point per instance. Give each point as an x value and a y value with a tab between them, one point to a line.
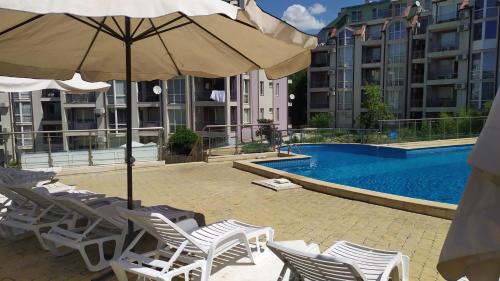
162	31
137	27
225	43
91	44
117	25
165	46
95	27
109	29
20	24
152	30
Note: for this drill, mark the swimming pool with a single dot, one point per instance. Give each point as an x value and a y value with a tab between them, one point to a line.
436	174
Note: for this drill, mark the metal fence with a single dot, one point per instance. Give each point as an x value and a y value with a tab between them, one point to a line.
407	130
72	148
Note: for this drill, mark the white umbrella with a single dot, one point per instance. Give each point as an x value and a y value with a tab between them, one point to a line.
144	40
75	85
472	247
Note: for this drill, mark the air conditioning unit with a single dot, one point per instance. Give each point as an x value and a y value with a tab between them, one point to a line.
101	139
460	86
462	57
332	89
332	93
463	27
4	105
331	72
334	50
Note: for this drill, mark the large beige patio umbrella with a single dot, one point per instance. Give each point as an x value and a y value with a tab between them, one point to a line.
472	247
144	40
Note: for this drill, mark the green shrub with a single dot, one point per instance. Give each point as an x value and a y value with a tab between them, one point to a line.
183	141
322	120
255	147
266	129
447	125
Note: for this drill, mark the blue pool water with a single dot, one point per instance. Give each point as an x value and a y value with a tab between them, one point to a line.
437	174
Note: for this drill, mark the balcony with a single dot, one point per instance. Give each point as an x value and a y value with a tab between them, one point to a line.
368	60
373	37
479	75
396	82
176	98
319	100
442	78
117	100
204	95
23	118
441	102
344	84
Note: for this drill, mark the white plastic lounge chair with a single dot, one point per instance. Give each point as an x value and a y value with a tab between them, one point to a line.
103	225
342	261
184	243
19	223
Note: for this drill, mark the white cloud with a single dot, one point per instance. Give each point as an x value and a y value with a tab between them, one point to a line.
302	18
317	9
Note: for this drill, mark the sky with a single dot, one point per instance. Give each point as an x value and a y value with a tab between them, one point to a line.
307	15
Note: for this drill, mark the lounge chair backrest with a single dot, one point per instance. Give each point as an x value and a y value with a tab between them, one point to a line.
163	229
11	194
88	212
316	267
42	200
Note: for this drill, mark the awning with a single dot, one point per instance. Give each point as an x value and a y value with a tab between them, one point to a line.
75	85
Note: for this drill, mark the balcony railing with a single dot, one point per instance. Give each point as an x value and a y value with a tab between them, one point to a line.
23	118
445	48
397	59
81	125
80	98
371	60
373	37
150	124
120	100
441	102
204	95
396	82
371	81
176	99
320	84
22	96
346	41
320	105
442	75
419	54
447	16
417	78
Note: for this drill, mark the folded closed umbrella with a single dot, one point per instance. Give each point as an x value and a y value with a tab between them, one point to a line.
145	40
472	246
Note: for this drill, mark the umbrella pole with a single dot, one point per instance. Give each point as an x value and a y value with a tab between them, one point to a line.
128	157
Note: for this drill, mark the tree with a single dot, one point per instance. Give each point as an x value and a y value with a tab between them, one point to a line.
298	110
375	107
322	120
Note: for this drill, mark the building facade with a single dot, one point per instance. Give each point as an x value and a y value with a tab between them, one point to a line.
185	101
428	57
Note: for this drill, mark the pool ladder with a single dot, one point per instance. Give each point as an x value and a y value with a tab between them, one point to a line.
290	148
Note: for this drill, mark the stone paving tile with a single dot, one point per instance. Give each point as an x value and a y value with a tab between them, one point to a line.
219	192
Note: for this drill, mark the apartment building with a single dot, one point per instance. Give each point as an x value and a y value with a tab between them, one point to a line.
184	101
427	57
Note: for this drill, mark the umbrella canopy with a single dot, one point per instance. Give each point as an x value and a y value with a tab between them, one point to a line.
208	38
75	85
145	40
472	247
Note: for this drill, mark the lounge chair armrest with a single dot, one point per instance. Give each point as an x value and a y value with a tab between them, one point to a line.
396	262
228	240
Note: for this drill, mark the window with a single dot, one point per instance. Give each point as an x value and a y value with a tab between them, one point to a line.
447	13
395	76
356	16
262	113
478	31
483	65
344	78
117	118
118	95
261	89
346	37
320	79
246	91
277	89
345	56
481	93
277	114
373	32
491	8
374	13
392	100
177	119
246	115
442	97
490	29
396	53
271	85
25	139
145	91
176	91
397	31
398	9
344	100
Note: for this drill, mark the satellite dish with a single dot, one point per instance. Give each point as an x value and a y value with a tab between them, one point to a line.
417	3
292	96
157	90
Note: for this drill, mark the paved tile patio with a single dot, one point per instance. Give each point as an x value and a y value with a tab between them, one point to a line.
219	191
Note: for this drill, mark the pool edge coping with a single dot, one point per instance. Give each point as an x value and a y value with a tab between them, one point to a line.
420	206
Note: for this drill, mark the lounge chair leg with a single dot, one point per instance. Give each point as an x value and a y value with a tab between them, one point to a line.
249	251
405	268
